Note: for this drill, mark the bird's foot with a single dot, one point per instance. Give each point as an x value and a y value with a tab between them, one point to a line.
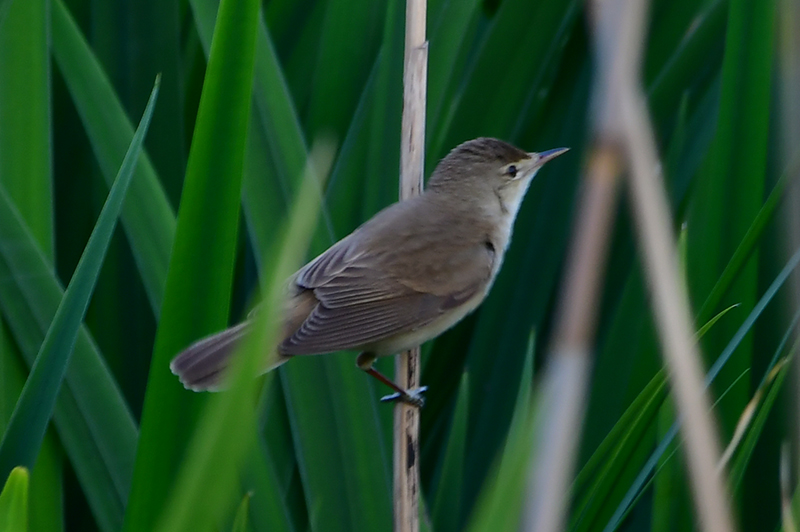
411	397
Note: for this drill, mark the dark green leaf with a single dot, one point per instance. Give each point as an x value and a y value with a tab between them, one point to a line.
23	436
201	265
147	217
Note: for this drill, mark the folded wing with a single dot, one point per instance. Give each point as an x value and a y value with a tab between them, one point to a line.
367	292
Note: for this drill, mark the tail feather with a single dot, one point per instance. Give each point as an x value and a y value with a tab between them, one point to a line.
201	366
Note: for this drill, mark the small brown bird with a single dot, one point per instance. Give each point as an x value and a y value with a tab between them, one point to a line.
405	276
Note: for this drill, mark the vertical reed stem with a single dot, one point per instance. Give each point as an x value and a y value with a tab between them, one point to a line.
412	159
622	138
789	26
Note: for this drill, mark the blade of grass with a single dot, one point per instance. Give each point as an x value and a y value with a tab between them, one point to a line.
668	428
132	41
345	186
328	396
94	424
384	91
338	431
226	428
337	435
272	508
25	431
5	5
14	501
25	115
278	147
622	358
336	424
46	508
749	242
147	217
710	323
240	521
752	423
502	89
771	381
628	353
729	191
624	366
773	375
499	506
645	473
602	473
349	40
669	482
201	266
303	49
593	482
26	173
449	28
690	56
154	27
788	522
446	505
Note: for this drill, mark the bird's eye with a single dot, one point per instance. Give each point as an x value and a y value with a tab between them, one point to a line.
512	171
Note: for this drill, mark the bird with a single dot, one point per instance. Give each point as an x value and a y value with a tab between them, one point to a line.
412	271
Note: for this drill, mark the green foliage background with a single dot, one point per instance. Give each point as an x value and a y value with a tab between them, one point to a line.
122	453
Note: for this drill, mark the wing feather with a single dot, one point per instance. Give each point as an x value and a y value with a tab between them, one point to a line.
369	290
329	329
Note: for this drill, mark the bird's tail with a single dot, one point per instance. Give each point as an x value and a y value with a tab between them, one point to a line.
202	365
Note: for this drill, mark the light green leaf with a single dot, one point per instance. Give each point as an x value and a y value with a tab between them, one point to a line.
26	173
14	501
226	428
240	521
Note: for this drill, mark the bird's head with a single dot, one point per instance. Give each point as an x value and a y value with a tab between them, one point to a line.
483	166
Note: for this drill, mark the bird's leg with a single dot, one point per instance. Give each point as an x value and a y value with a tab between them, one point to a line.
412	397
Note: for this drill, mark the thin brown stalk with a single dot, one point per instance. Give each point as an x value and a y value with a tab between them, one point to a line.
787	515
566	375
789	25
671	305
407	368
670	301
621	135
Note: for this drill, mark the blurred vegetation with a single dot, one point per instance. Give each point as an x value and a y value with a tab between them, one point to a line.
314	454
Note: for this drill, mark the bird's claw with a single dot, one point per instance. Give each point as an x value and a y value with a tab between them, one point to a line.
411	397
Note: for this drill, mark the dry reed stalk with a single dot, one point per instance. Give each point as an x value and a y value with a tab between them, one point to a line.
566	375
787	515
788	26
621	134
407	365
671	307
669	297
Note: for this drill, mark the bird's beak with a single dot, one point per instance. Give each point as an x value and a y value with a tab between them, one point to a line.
542	157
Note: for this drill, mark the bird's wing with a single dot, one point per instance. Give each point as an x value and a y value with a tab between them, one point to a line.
368	293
